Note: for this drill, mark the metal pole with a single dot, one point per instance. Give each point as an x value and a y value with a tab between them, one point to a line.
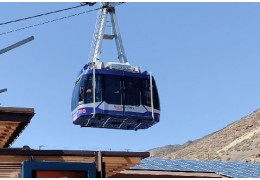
16	45
118	39
98	38
151	89
3	90
94	90
99	164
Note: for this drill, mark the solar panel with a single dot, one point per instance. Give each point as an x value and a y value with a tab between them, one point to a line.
231	169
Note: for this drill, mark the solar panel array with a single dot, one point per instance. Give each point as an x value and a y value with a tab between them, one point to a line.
231	169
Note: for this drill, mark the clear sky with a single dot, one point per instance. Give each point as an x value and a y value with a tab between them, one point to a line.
205	58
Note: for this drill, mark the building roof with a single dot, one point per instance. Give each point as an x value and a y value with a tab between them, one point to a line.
164	174
12	123
230	169
14	120
115	161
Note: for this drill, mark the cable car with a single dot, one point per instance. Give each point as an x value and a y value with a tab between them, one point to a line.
113	95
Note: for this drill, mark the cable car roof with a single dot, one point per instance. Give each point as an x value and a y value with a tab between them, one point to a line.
114	68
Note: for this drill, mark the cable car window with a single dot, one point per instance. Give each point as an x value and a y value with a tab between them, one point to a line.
75	97
146	94
98	88
88	91
113	93
156	101
132	91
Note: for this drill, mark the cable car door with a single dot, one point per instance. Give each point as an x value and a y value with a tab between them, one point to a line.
113	95
133	99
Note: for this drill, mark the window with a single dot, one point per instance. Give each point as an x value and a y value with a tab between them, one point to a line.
88	90
132	91
146	93
112	89
75	96
59	174
99	85
34	169
156	101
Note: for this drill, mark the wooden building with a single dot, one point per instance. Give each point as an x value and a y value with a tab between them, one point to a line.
14	120
107	163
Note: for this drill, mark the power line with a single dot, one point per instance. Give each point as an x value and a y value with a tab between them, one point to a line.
44	14
50	21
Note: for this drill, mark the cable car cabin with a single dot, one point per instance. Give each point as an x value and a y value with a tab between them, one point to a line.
115	96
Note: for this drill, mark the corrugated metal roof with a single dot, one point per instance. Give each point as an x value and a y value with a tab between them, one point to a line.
230	169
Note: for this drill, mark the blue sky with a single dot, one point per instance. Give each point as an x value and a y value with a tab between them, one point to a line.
205	58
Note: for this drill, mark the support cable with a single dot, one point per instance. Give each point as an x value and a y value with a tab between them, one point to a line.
50	21
46	22
44	14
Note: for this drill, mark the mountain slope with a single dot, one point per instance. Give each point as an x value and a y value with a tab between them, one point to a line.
239	141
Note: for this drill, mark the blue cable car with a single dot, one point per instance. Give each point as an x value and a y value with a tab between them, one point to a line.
113	95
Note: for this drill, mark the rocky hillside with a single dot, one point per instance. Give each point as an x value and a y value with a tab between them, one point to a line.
239	141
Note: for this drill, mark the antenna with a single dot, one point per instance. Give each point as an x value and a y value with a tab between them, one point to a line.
16	45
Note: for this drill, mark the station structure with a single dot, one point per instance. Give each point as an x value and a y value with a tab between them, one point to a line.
14	161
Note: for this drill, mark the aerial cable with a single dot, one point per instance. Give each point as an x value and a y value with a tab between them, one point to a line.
44	14
50	21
